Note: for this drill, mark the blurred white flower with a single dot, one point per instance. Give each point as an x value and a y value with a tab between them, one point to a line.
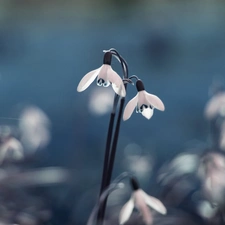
215	106
11	148
104	96
141	201
184	163
136	161
211	172
206	210
222	136
34	127
105	76
144	103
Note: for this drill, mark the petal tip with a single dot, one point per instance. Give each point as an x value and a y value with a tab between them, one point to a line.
124	118
87	80
126	115
126	211
79	89
160	106
163	211
121	91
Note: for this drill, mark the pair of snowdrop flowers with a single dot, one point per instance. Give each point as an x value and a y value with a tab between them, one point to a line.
144	102
140	200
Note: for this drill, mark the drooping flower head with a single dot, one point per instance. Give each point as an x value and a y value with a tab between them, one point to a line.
144	103
105	76
141	201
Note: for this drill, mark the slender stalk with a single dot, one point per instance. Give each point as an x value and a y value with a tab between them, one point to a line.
104	184
114	143
107	152
108	144
111	161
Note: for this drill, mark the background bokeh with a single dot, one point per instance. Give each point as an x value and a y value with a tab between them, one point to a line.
46	47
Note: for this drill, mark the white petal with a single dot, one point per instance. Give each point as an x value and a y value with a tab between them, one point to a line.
155	101
147	113
154	203
12	146
142	98
87	80
117	82
216	105
103	73
142	207
119	90
126	211
130	108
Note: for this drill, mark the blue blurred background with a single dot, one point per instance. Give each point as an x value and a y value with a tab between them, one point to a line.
46	47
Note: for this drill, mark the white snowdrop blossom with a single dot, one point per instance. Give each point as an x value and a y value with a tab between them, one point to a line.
211	172
144	102
215	106
105	76
11	148
140	200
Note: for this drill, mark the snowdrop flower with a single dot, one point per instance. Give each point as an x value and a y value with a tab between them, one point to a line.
11	148
105	76
144	103
211	172
141	201
215	106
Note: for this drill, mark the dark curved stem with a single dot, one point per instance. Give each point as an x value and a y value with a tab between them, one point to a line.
115	141
111	159
112	187
107	152
134	76
108	144
102	197
122	61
